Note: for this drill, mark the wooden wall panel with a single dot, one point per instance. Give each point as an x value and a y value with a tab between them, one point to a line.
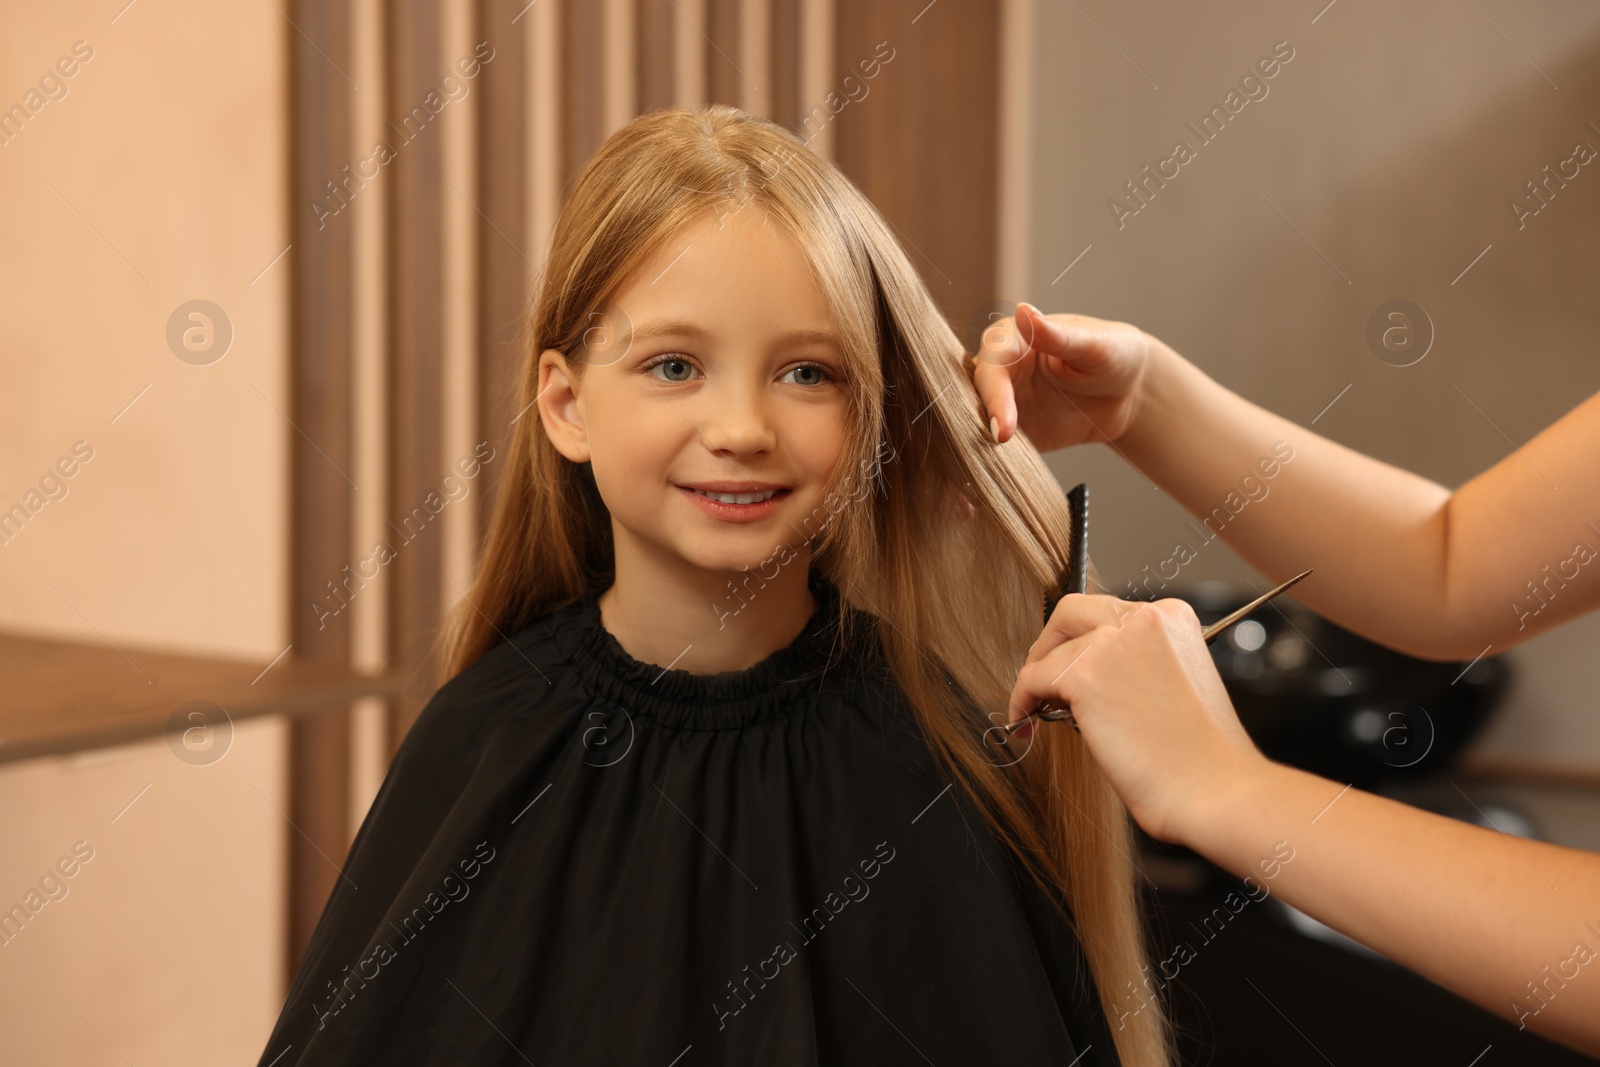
505	265
416	344
784	65
321	384
583	88
657	24
923	143
724	82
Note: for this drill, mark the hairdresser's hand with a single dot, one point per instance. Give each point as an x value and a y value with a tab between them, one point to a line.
1149	702
1061	379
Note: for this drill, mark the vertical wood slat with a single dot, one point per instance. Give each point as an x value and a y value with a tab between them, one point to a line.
816	72
505	269
784	64
522	128
463	234
619	63
1014	157
689	49
547	71
724	82
922	145
321	451
369	730
755	57
656	23
584	89
416	345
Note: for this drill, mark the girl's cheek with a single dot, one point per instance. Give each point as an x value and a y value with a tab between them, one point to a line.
821	440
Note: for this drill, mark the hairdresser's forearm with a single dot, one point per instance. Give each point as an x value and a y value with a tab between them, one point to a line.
1513	552
1466	907
1374	533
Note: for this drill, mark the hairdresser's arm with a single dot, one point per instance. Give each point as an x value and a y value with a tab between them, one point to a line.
1399	558
1475	911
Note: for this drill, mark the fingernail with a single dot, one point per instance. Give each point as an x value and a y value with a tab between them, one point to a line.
994	428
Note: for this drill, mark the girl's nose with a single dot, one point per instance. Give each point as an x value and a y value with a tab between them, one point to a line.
738	421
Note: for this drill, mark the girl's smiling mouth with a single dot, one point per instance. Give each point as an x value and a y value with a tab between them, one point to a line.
736	501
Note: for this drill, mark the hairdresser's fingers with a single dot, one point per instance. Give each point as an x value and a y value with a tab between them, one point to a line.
1061	379
1150	706
998	394
1076	614
1080	621
1043	678
1095	357
1005	364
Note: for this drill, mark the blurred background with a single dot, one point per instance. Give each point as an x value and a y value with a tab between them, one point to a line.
265	267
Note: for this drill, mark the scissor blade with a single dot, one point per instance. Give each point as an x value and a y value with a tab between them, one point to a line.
1210	632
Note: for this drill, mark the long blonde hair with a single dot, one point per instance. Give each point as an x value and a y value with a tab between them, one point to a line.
951	600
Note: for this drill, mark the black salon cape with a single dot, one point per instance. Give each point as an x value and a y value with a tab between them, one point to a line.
578	858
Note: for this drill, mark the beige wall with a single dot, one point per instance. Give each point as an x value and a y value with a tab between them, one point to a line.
157	179
1393	140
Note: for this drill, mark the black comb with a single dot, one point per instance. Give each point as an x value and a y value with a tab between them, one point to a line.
1077	578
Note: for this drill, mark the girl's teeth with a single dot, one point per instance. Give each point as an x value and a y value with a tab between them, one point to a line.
738	498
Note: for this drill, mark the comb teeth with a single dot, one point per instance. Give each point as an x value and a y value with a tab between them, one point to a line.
1078	504
1077	577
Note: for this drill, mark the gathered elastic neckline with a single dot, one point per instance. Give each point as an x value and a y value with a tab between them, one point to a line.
786	681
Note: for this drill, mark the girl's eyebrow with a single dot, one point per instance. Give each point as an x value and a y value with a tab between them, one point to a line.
694	332
806	337
671	328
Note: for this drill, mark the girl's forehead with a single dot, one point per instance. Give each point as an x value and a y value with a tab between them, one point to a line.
739	271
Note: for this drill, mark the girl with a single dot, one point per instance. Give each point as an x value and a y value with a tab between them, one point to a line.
708	782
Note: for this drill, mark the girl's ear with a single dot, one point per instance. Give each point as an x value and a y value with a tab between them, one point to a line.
559	411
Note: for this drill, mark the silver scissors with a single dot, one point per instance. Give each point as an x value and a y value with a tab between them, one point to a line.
1078	582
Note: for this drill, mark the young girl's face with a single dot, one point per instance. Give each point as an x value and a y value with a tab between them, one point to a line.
713	369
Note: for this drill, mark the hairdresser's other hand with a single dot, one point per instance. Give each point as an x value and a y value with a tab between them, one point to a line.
1149	702
1062	379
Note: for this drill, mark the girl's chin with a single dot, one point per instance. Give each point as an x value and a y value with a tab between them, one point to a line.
759	565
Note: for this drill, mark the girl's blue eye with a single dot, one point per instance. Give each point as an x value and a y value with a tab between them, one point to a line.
821	374
676	362
680	370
